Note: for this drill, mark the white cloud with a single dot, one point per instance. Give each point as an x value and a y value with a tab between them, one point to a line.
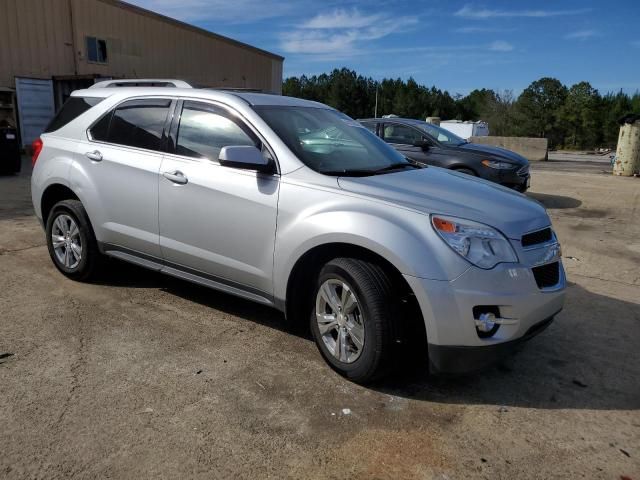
342	19
341	33
469	11
236	11
482	30
500	46
581	35
319	43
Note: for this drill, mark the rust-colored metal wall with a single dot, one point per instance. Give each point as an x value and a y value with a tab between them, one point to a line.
47	38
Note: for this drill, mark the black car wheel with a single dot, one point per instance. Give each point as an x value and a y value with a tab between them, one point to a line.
352	319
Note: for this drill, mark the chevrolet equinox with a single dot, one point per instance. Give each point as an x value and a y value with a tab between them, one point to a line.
294	205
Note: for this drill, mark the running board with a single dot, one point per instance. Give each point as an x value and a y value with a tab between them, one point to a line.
216	285
210	282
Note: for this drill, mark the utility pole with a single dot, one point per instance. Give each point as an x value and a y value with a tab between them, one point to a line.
375	112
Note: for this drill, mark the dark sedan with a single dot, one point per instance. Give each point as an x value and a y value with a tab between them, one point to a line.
429	144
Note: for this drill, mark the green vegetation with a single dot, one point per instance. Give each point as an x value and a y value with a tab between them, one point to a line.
575	117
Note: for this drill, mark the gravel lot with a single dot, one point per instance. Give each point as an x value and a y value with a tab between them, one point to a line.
144	376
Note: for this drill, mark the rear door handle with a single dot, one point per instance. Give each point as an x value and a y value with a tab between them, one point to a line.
96	156
176	177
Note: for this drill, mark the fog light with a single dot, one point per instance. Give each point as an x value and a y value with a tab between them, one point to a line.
486	322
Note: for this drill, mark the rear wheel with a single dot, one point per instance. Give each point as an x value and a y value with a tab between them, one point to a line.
352	318
71	242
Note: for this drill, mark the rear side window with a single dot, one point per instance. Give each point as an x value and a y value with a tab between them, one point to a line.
72	108
204	130
136	123
401	134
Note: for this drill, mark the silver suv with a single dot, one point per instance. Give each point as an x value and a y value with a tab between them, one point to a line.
292	204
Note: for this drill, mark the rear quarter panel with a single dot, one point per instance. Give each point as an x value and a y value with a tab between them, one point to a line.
53	167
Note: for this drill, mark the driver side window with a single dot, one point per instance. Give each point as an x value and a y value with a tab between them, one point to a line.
204	130
401	134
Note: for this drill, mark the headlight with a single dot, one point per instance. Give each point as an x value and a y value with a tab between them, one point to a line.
497	164
480	244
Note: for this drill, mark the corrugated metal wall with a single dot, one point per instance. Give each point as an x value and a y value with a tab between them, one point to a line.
36	40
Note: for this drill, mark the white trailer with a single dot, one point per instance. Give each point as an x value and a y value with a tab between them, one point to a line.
467	129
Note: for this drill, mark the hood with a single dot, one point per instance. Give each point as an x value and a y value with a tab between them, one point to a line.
437	190
494	152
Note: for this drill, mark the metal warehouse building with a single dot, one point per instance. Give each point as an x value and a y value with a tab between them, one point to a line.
49	48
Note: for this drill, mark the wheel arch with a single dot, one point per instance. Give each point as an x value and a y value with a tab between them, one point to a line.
301	282
53	194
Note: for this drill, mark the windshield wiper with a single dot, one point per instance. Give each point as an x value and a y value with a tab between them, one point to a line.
395	166
348	173
366	173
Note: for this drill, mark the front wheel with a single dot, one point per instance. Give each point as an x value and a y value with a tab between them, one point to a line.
352	318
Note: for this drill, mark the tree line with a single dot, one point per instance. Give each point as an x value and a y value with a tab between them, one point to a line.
577	117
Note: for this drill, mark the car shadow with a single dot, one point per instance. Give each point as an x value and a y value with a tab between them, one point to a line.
587	359
555	201
122	274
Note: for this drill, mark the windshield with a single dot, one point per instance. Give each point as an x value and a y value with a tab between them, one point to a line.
330	142
441	135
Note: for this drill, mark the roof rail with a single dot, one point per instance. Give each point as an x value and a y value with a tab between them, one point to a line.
141	82
235	89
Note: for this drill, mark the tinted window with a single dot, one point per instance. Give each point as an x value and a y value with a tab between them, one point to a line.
371	126
72	108
138	123
442	135
204	130
401	134
100	130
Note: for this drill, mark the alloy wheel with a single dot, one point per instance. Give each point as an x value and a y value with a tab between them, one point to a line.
67	244
340	320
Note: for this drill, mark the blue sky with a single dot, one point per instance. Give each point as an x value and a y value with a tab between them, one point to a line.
454	45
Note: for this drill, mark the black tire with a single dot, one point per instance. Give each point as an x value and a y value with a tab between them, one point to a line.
468	171
374	292
87	265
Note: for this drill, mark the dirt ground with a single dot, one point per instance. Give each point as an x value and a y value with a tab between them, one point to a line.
144	376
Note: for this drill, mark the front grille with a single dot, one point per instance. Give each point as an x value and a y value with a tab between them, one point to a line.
533	238
547	275
523	171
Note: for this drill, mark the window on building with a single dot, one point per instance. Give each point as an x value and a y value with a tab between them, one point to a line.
96	50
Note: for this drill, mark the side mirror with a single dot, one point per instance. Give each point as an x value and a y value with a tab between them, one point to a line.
424	144
244	157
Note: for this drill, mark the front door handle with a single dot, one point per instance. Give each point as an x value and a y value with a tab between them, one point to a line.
96	156
176	177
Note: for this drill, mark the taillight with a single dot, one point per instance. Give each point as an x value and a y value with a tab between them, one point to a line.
36	148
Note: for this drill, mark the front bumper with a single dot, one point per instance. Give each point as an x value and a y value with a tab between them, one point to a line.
448	312
452	360
518	179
